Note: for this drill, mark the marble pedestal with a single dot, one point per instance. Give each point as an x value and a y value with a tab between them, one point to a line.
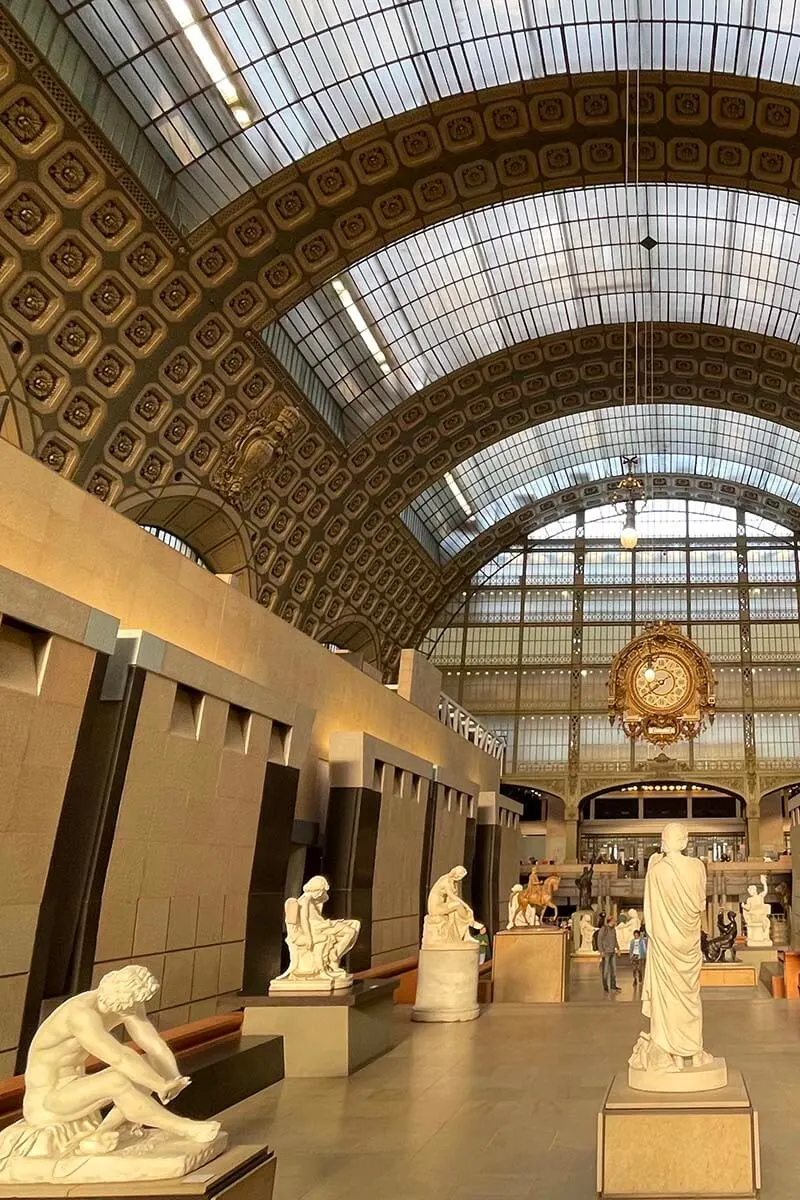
738	974
447	983
531	966
326	1035
678	1145
243	1172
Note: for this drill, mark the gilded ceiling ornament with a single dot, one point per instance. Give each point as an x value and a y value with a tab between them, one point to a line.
661	686
248	460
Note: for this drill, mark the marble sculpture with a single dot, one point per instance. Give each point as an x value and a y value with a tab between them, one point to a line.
757	913
587	927
113	1125
450	918
316	943
671	1056
626	929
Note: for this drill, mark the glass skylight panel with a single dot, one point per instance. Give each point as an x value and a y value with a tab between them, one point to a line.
546	264
323	69
585	447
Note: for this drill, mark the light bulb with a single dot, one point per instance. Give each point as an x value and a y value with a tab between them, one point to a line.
628	538
649	674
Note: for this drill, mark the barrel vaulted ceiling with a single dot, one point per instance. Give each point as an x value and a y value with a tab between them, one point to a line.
256	85
134	333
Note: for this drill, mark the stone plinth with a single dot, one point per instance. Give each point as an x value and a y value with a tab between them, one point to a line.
531	966
739	974
326	1035
678	1145
243	1172
447	983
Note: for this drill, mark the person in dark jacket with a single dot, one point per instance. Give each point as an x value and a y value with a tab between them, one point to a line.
607	945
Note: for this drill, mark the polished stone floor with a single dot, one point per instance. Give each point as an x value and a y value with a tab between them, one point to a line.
506	1106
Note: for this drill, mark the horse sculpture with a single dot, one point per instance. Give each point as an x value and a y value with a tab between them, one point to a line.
539	896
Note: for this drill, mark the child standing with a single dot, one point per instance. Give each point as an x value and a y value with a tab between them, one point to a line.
638	954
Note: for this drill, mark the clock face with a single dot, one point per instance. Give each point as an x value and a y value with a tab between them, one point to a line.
669	688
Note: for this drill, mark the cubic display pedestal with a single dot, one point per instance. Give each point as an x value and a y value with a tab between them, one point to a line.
447	983
326	1035
692	1145
531	966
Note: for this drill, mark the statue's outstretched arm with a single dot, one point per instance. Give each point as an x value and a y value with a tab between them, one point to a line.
156	1049
89	1031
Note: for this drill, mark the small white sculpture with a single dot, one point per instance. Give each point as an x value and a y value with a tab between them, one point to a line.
626	929
316	943
449	918
588	927
519	917
64	1135
757	913
671	1056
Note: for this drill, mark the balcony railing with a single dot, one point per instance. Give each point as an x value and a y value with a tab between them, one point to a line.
455	717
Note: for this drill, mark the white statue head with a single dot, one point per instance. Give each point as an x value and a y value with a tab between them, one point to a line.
457	873
120	991
752	890
516	888
674	836
316	886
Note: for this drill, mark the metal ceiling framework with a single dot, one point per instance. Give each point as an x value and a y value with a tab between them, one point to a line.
309	74
123	401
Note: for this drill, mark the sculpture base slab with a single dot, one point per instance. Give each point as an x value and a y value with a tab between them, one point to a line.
244	1172
586	955
687	1146
156	1155
531	966
326	1035
447	983
323	986
706	1078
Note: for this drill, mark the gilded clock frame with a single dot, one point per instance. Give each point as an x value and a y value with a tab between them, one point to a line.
687	716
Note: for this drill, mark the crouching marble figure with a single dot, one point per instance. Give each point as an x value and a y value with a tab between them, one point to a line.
316	943
65	1135
449	918
671	1057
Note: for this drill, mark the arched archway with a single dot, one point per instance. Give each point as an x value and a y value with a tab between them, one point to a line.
212	529
357	636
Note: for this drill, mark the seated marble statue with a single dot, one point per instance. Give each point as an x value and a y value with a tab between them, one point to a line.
63	1119
757	913
674	903
449	918
316	943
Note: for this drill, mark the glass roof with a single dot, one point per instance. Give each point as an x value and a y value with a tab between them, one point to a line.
662	518
586	447
545	264
311	71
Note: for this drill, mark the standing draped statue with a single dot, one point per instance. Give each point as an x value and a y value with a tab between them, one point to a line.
449	917
584	886
757	913
674	902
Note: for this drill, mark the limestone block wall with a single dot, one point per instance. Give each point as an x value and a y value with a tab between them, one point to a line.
72	542
497	857
454	808
398	861
178	879
48	650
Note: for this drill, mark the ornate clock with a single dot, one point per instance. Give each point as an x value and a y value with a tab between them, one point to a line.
661	686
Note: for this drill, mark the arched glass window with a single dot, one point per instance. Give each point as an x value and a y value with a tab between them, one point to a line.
176	543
